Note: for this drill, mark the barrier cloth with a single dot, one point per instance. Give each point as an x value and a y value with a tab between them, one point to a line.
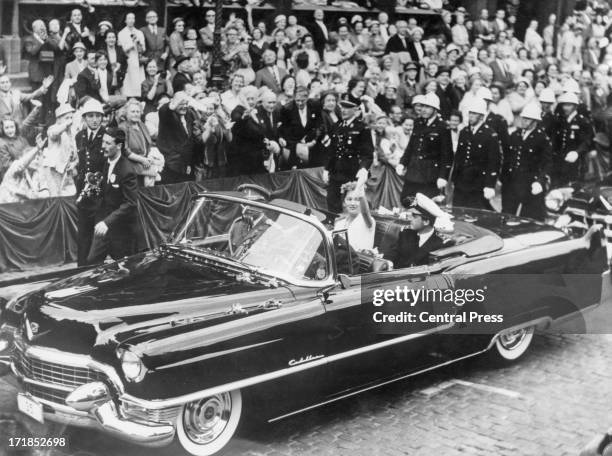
42	233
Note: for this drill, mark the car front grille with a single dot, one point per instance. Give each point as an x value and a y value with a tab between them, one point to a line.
48	380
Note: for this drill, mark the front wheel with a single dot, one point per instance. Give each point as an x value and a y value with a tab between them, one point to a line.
205	426
511	345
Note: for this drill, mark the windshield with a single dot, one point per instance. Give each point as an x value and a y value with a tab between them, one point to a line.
263	239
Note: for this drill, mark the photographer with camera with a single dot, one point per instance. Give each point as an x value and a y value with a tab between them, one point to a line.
156	85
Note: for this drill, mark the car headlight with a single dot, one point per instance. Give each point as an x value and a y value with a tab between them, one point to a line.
132	366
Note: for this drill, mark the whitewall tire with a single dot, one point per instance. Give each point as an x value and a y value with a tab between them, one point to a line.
206	426
511	345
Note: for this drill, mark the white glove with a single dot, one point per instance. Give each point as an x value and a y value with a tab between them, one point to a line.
536	188
488	192
441	183
400	170
325	176
362	176
571	157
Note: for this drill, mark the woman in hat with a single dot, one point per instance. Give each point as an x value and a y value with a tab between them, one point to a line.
176	40
77	65
103	27
281	47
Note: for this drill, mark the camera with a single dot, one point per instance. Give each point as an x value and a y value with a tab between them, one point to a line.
163	74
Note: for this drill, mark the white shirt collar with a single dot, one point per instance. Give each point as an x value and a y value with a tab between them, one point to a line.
424	237
111	165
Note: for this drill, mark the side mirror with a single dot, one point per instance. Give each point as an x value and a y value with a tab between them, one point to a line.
345	281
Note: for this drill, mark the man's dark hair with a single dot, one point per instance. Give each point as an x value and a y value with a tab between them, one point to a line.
117	134
302	60
456	113
100	54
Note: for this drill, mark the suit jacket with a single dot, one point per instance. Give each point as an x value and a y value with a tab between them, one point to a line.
407	252
499	75
87	84
174	142
477	159
480	29
155	45
265	77
395	45
118	205
179	81
91	158
37	70
318	36
414	55
294	132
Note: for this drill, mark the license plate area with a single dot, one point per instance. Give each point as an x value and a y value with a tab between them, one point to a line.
29	406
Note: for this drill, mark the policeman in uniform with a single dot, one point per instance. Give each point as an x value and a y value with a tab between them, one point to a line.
497	123
428	158
351	152
91	160
571	140
526	166
477	161
549	119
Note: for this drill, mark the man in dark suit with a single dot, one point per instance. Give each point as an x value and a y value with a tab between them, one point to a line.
270	75
415	242
415	47
501	72
88	81
483	28
34	45
319	32
183	74
116	214
156	41
175	139
526	166
300	127
91	160
400	41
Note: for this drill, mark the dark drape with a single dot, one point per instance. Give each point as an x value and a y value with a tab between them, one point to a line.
41	233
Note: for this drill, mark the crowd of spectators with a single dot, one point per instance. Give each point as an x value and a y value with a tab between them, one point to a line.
282	84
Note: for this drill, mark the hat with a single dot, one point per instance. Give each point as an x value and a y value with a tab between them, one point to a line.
485	94
356	18
180	59
424	206
569	98
417	100
478	106
63	109
524	81
532	111
411	66
417	29
602	139
78	45
254	192
279	17
107	23
347	104
92	106
547	95
177	19
443	69
342	21
571	85
461	9
604	42
432	100
452	47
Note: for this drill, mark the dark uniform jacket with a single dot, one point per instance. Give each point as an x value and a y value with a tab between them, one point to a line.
448	100
575	135
527	161
477	160
91	158
408	253
429	154
350	148
174	142
499	125
549	123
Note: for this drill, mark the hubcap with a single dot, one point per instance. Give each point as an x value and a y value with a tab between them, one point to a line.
205	420
511	340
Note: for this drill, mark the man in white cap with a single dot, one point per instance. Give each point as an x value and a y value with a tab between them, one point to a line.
571	140
416	241
549	120
91	160
477	160
428	158
527	163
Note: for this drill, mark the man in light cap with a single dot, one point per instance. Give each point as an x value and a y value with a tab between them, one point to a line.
571	140
549	120
477	160
416	241
428	157
116	214
526	166
91	160
350	151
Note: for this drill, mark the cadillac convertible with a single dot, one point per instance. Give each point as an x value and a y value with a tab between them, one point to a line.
261	307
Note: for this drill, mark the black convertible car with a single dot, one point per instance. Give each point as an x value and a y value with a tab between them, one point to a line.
260	306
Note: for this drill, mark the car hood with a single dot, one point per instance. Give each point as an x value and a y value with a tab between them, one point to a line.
139	296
